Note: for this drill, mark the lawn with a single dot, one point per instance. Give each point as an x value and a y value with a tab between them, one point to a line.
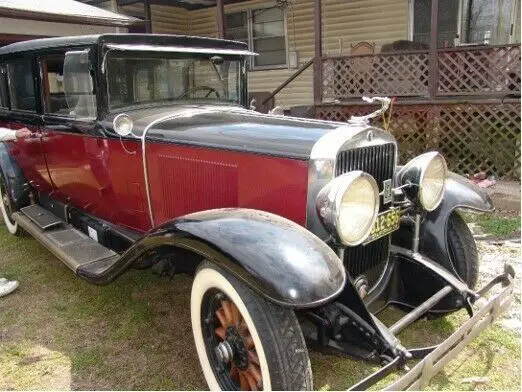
59	332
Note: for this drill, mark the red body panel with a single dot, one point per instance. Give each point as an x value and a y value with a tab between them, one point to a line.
185	179
105	179
98	176
28	154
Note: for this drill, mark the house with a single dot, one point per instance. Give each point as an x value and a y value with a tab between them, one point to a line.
452	65
28	19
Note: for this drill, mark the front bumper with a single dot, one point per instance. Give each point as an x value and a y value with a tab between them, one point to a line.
434	358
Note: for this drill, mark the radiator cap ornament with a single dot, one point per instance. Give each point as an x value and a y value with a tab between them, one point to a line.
385	104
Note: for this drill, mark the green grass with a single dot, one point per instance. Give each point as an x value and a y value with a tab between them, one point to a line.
496	225
59	332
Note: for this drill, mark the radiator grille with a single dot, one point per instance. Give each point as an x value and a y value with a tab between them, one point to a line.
378	161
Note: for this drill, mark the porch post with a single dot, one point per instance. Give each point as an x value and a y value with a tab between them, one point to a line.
318	63
147	15
433	79
220	18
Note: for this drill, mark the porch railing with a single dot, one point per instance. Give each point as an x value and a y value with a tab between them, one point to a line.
484	70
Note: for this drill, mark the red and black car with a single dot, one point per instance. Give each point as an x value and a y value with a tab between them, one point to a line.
144	153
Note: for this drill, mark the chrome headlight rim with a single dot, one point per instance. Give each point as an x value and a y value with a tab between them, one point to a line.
413	174
444	178
329	204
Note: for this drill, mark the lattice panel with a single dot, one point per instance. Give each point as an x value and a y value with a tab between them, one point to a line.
383	74
472	137
475	71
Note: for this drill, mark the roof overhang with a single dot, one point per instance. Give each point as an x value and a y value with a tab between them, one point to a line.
63	11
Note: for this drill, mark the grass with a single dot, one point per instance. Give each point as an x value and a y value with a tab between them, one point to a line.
59	332
496	225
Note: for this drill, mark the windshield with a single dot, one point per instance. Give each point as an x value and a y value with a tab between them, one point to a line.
146	79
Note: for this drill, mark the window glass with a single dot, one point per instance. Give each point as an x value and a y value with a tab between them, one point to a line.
4	97
134	80
490	21
52	86
67	85
78	85
237	26
21	85
264	31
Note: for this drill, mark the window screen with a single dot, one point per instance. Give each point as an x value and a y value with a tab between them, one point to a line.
264	32
269	37
21	85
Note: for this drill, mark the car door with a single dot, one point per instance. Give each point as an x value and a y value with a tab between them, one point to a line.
19	78
87	168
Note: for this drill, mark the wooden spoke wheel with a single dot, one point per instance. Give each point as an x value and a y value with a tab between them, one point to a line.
236	349
243	341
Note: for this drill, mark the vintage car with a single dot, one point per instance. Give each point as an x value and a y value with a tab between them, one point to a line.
144	152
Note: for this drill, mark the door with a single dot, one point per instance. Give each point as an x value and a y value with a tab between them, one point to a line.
22	112
88	169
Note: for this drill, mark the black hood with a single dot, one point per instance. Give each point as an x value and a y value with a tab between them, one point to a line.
231	128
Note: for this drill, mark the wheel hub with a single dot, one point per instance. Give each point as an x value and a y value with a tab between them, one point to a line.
236	348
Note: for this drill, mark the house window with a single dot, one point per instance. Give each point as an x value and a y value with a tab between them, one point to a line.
467	21
21	85
264	32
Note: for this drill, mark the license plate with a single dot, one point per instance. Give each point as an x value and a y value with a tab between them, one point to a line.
386	223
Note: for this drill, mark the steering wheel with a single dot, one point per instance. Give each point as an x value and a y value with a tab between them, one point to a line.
199	88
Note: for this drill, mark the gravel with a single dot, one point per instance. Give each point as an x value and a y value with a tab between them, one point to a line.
494	254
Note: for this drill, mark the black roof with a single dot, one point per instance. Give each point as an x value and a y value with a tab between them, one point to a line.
151	39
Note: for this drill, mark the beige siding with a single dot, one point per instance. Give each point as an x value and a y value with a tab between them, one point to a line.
349	22
344	23
167	19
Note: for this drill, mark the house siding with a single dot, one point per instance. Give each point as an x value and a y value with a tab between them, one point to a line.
165	19
344	23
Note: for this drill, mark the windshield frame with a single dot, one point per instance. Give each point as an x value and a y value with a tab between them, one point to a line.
242	78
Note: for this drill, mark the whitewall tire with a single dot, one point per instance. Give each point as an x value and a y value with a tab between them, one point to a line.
12	226
243	341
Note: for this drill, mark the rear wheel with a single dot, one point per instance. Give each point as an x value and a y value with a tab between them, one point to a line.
243	341
6	208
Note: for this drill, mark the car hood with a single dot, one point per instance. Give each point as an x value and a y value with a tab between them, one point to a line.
231	128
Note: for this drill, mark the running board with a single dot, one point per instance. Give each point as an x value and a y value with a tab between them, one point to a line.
41	217
71	246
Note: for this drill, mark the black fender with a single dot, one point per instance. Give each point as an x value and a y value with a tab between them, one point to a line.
16	183
277	258
459	193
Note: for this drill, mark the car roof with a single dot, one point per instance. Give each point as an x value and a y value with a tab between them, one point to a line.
151	39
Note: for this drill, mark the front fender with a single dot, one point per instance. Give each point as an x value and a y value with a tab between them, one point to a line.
277	258
459	193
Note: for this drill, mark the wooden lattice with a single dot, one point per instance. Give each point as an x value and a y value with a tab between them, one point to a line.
472	137
397	74
476	71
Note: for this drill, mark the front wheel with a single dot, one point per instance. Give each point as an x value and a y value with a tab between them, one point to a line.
463	249
243	341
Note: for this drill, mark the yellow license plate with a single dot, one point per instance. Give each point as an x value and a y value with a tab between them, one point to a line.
386	223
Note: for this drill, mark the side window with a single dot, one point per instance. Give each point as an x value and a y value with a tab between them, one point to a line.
67	85
21	85
4	96
52	86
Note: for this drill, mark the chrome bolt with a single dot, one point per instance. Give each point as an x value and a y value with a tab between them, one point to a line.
224	352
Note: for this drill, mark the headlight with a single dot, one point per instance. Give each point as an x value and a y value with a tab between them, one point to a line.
427	173
348	206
